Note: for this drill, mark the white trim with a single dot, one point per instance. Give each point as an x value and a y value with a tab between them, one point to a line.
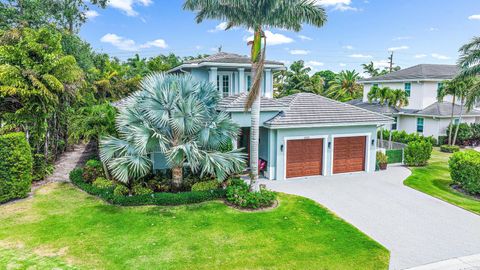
231	65
367	150
403	80
220	74
324	154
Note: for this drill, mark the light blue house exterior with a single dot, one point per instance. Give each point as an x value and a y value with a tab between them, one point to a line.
302	135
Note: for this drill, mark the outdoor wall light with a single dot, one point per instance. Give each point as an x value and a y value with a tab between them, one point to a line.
373	142
329	145
281	148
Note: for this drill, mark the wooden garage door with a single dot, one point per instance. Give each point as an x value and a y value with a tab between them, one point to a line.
349	154
304	157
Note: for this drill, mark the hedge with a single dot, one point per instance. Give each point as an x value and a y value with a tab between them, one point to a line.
149	199
15	167
465	170
449	148
417	153
394	155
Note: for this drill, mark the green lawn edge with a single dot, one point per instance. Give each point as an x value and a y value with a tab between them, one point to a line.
434	179
93	234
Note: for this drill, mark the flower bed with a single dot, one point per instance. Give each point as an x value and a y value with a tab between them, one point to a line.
162	198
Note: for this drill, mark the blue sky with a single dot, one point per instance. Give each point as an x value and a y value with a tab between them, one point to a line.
357	31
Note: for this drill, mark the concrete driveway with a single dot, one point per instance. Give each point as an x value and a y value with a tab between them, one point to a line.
417	228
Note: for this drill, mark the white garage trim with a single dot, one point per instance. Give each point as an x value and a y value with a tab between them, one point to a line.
324	154
367	150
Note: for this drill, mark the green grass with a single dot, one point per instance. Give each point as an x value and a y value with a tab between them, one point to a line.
62	226
434	179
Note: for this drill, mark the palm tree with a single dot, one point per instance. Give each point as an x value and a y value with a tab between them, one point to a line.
449	88
469	61
467	88
176	116
381	94
398	98
370	69
257	16
345	86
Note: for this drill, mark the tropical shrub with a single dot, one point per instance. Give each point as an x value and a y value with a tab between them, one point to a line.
404	137
102	182
120	190
465	132
442	140
93	170
15	166
138	189
475	128
120	198
238	194
449	148
177	116
206	185
381	158
417	153
465	170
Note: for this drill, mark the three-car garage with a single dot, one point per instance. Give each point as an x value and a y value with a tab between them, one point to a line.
307	156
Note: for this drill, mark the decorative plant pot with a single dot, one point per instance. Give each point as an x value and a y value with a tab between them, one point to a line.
383	166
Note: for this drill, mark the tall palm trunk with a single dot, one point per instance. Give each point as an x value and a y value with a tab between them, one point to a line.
177	177
451	122
459	121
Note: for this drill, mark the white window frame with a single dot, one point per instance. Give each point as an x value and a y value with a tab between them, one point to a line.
367	150
247	74
220	75
324	154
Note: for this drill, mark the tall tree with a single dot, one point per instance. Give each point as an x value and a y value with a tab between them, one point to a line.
345	86
328	76
370	69
257	16
469	60
398	98
449	88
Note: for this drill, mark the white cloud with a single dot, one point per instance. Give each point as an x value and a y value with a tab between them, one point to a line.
302	37
298	52
393	49
439	56
314	63
91	14
273	38
381	63
432	29
402	38
348	47
342	64
420	55
474	17
359	55
127	5
220	27
341	5
126	44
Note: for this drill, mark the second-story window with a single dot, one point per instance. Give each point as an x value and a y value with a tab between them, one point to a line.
394	125
248	82
439	87
408	88
225	85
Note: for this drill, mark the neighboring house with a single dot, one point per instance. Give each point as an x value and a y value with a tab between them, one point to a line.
424	114
300	135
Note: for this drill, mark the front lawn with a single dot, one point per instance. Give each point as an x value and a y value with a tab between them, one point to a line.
434	179
62	226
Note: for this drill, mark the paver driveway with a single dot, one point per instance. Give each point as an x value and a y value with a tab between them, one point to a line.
415	227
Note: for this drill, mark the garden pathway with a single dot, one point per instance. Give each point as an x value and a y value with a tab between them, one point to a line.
65	163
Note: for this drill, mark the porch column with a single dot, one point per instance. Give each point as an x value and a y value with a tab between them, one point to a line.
234	143
241	80
268	83
212	76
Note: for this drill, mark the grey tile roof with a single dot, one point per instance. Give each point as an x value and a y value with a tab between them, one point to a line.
224	57
237	103
307	109
374	106
445	109
419	72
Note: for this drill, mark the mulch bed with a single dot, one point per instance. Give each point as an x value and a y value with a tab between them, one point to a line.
262	209
461	190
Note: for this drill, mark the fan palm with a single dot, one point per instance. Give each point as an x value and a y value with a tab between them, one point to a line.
175	116
469	61
345	86
258	15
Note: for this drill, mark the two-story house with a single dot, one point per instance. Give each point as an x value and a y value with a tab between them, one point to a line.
424	113
300	135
